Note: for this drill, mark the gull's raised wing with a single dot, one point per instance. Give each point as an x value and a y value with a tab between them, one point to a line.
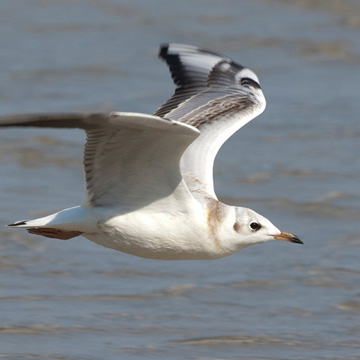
215	95
130	160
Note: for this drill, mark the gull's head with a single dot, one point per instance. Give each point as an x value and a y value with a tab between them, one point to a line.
250	228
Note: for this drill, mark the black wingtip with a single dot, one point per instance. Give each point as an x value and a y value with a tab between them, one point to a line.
17	223
163	50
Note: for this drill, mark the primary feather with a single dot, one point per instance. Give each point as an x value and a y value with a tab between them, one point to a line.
215	95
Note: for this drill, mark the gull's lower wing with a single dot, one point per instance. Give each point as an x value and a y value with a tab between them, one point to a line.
130	159
215	95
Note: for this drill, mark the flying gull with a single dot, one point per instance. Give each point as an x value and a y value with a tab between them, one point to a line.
149	178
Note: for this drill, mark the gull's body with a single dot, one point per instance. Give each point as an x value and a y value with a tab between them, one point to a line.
149	178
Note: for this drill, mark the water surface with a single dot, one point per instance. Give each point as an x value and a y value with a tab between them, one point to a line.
298	164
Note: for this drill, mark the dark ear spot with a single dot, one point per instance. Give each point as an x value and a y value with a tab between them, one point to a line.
236	227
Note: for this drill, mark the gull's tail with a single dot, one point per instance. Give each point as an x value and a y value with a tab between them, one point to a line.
64	224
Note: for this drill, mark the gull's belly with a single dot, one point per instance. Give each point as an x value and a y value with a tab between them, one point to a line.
158	236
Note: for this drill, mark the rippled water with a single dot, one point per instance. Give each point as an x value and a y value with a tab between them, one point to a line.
298	164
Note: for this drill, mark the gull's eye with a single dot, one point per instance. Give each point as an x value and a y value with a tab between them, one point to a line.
255	226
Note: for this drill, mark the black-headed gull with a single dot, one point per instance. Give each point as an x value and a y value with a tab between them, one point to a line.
149	178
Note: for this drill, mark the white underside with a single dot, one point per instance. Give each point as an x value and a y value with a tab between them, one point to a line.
145	233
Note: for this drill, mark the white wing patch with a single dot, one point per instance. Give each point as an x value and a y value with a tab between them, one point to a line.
246	73
135	161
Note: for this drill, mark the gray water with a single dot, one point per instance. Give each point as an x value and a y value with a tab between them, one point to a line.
297	164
